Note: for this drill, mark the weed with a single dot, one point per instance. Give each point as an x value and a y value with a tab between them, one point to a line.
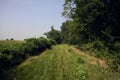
80	60
81	73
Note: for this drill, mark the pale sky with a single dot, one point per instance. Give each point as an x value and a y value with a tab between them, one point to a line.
20	19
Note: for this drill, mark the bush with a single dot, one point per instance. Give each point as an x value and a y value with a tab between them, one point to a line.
13	53
108	51
80	60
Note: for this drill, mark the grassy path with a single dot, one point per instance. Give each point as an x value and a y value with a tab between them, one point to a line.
62	62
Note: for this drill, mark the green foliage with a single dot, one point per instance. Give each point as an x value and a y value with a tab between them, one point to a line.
80	60
94	19
81	73
60	63
53	35
14	52
110	52
52	42
65	32
94	25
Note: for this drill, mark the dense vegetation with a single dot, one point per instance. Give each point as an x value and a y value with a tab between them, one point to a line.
13	52
54	35
93	25
62	62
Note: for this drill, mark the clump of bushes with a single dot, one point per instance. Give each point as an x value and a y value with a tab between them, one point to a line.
109	51
14	52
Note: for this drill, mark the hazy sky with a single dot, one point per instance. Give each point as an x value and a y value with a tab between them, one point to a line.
20	19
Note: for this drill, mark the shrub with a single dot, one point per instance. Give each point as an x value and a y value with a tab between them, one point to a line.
80	60
13	53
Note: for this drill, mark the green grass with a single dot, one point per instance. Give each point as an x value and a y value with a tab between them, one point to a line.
62	62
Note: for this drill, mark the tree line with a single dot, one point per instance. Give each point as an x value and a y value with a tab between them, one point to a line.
92	25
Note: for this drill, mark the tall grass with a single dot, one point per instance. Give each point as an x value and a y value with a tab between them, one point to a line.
62	62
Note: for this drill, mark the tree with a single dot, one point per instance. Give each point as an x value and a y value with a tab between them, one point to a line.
96	22
54	35
65	31
11	39
94	19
